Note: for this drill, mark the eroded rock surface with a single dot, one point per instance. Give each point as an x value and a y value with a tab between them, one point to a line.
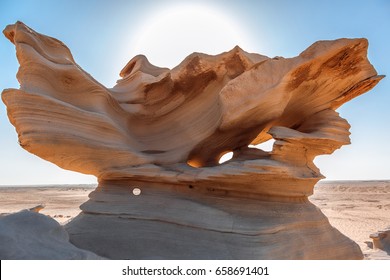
381	240
163	131
28	235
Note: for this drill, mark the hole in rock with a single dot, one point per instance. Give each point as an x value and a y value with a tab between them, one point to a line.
225	157
194	163
136	191
214	159
265	146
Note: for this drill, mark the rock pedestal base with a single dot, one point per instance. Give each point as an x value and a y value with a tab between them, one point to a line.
189	222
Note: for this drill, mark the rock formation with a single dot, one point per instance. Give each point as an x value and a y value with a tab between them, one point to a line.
381	240
29	235
162	131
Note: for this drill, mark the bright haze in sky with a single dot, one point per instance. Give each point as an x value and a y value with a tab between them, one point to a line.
104	35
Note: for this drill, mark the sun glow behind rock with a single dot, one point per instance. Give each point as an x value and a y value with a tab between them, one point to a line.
226	157
266	146
167	36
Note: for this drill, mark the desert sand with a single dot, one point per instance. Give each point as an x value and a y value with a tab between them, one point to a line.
356	208
61	202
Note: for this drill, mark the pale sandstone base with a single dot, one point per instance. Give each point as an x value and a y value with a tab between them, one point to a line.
27	235
190	222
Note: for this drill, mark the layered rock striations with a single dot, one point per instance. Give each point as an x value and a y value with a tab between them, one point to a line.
162	131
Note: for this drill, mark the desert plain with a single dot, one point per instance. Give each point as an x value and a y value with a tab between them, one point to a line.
356	208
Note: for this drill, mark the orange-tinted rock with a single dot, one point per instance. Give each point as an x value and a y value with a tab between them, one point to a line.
164	130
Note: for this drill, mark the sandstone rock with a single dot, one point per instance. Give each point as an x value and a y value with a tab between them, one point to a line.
37	208
175	221
29	235
381	240
164	130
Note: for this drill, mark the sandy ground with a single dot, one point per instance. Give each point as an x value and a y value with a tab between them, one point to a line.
61	202
356	208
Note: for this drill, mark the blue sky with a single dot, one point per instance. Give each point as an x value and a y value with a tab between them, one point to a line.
104	35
